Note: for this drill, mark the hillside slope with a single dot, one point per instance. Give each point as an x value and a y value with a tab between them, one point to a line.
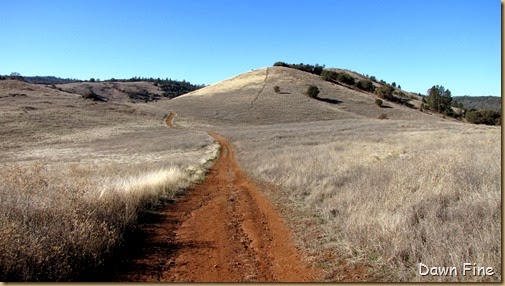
249	98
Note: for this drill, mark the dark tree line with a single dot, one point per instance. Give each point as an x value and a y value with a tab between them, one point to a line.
314	69
171	88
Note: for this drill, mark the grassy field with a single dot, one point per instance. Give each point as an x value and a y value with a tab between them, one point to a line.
76	175
364	196
384	195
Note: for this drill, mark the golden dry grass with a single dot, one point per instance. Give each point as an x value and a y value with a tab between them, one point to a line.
385	195
76	174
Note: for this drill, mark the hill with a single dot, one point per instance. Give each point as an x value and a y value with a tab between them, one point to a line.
250	98
480	102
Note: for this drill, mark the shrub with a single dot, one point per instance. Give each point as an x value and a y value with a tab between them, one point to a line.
373	78
385	92
378	102
277	89
366	85
312	91
345	78
329	75
483	116
383	116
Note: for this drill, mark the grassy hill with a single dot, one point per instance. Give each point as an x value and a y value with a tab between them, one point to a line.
250	98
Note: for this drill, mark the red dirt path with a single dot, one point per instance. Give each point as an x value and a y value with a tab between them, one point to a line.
223	230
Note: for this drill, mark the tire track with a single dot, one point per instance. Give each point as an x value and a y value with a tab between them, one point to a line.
260	91
223	230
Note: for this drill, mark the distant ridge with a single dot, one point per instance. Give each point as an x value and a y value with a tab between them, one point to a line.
480	102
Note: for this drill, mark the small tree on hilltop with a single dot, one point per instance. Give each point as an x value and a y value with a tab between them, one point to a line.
312	91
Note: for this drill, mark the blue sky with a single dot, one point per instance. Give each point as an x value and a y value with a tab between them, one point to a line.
416	44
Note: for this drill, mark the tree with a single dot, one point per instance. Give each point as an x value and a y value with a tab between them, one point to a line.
92	79
312	91
393	84
15	74
366	85
399	86
439	98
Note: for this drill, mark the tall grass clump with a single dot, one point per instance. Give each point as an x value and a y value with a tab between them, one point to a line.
54	226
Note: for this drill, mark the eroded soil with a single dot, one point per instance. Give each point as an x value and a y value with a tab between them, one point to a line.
223	230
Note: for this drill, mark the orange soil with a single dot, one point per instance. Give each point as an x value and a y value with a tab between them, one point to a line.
223	230
169	119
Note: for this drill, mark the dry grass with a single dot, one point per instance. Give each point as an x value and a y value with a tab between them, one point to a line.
57	224
75	175
385	195
250	98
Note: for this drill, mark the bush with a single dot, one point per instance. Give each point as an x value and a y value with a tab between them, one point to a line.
312	91
329	75
345	78
378	102
385	92
373	78
366	85
483	116
277	89
383	116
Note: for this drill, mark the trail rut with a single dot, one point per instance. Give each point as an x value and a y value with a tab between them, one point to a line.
223	230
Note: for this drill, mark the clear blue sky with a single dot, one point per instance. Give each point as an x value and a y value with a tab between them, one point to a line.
417	44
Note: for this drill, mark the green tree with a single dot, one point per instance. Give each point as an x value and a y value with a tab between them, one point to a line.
439	98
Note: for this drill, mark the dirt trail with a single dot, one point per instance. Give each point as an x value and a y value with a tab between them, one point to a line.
223	230
169	119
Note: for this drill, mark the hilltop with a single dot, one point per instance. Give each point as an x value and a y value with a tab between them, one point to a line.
251	98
